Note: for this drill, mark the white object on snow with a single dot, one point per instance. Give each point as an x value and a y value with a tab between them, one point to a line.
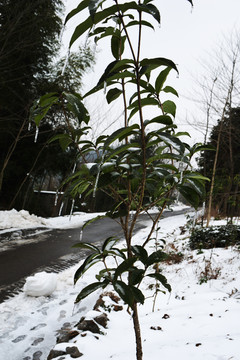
41	284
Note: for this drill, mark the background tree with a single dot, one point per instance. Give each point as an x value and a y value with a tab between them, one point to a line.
226	195
29	44
219	87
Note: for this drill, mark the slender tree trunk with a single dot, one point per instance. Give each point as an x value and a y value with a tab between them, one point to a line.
214	171
227	104
138	338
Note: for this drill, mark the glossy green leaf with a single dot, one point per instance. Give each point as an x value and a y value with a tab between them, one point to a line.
197	185
143	23
88	246
140	252
190	195
172	141
109	243
136	276
121	149
113	94
79	187
64	139
201	147
156	257
169	107
88	262
108	13
161	79
144	102
113	69
117	45
82	5
162	279
153	10
93	6
138	295
170	89
76	105
90	289
40	108
162	119
124	291
120	134
117	252
126	265
92	220
156	62
196	176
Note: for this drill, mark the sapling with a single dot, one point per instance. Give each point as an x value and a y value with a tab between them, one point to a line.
135	180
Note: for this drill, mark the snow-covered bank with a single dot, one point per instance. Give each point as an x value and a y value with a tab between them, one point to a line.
194	321
14	220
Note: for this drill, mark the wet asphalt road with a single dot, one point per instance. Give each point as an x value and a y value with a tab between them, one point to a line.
50	251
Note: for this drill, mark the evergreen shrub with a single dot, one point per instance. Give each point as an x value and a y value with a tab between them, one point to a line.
215	237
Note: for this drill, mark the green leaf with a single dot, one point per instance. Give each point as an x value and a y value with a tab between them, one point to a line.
109	243
138	295
169	107
117	45
120	134
144	102
113	94
109	12
140	252
88	246
197	176
92	220
153	10
124	291
197	148
170	89
64	140
156	62
126	265
90	289
88	262
76	105
83	4
161	79
162	279
162	119
143	23
136	276
197	185
121	149
93	6
144	84
113	70
40	108
156	257
189	194
172	141
118	252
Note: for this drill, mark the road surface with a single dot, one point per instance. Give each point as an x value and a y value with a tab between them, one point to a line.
51	251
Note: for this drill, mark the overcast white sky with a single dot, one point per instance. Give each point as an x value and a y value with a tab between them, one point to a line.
186	35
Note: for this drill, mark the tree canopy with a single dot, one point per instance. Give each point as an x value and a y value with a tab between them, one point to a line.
226	194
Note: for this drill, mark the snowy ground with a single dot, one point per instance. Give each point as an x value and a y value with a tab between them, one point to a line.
193	322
